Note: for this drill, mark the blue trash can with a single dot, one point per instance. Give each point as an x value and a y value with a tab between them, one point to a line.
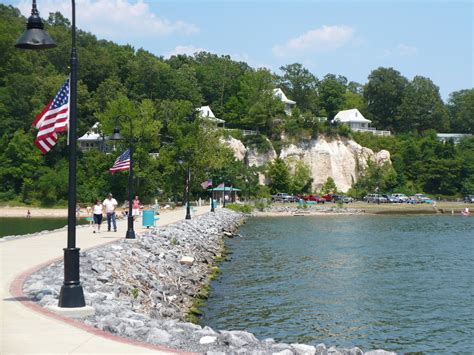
148	218
214	204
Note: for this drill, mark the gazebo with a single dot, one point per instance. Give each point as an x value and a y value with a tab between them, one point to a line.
230	192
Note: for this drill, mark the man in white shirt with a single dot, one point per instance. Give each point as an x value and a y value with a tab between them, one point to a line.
110	204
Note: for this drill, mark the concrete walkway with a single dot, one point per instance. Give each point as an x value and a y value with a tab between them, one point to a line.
27	328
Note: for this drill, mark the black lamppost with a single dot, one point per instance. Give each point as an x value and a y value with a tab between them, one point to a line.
188	182
116	136
212	199
71	295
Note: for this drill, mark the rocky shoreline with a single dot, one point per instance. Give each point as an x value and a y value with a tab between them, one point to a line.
146	289
310	210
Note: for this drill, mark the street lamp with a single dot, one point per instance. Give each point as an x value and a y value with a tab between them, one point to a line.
116	136
188	181
72	294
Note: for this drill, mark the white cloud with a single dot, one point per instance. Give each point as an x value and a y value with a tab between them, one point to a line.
188	50
119	20
324	39
405	50
402	50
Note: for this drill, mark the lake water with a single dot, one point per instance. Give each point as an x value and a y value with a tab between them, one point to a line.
400	283
22	225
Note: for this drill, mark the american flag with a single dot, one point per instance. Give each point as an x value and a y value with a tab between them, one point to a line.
205	184
122	162
53	119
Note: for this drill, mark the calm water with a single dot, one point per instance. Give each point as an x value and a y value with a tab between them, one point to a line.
399	283
22	225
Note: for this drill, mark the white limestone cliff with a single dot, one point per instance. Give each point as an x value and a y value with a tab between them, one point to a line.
342	159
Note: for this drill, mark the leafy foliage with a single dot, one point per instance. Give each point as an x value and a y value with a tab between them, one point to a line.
156	100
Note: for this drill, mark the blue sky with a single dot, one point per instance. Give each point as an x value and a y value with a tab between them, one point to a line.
350	38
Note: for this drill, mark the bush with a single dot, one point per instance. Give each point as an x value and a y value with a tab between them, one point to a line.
240	208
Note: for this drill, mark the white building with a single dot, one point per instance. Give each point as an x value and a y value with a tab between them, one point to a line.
206	112
289	104
455	137
357	122
93	139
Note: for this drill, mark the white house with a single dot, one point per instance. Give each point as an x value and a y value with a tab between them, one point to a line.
289	104
357	122
206	112
455	137
353	118
93	139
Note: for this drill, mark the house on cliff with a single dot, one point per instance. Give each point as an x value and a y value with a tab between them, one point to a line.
357	122
289	104
206	113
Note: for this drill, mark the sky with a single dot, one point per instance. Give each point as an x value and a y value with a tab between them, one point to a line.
351	38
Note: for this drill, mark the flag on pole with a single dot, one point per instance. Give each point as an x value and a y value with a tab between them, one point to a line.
122	162
221	185
53	119
206	184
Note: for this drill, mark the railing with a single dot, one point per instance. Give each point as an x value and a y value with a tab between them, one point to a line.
247	132
372	130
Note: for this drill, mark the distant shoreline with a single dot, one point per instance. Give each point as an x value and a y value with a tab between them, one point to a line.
356	208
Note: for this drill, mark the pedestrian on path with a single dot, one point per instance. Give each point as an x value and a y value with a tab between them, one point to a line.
135	208
97	215
110	204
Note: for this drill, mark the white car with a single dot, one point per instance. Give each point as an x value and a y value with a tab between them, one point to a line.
401	197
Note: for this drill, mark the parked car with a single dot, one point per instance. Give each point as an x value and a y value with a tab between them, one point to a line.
423	199
401	197
391	198
343	198
314	198
469	198
375	198
284	197
328	197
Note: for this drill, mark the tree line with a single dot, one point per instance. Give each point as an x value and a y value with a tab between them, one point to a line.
160	95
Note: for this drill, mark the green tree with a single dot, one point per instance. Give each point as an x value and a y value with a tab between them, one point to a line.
280	176
301	86
301	179
331	94
422	108
329	187
461	107
383	94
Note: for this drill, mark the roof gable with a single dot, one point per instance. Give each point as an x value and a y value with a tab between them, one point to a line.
352	115
281	95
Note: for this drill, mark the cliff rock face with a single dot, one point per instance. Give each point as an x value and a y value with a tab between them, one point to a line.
237	147
342	159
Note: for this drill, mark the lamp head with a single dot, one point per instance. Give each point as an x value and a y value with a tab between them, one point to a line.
35	37
116	136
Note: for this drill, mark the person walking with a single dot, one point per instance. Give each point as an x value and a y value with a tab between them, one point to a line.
97	211
110	204
135	208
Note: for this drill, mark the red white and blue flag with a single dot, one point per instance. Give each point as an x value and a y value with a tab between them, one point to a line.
206	184
53	119
122	162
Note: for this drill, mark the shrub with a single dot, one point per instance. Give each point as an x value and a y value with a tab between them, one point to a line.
240	208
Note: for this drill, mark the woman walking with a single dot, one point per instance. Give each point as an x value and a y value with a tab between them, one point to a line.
97	215
135	208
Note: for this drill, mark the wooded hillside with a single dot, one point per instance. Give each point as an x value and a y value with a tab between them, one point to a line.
161	96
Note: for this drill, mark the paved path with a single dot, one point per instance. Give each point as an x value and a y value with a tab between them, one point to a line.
27	328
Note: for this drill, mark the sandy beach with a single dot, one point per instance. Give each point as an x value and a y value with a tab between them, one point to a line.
35	212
